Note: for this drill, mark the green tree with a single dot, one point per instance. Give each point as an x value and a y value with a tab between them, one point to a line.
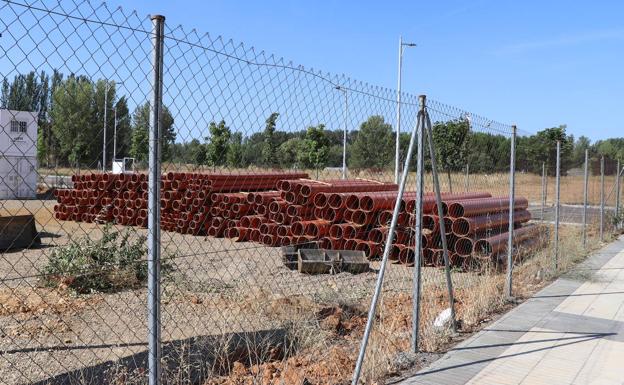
288	154
218	144
314	149
252	149
269	148
488	153
197	152
578	153
72	119
124	128
235	150
139	143
4	93
450	142
373	146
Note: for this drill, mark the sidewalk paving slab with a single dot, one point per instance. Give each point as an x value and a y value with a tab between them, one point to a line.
570	332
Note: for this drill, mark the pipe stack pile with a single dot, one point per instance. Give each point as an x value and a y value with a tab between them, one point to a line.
185	197
279	209
104	197
477	229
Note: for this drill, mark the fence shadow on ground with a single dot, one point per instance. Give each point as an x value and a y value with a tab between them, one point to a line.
191	360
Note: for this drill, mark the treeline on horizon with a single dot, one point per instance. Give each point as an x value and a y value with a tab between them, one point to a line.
71	114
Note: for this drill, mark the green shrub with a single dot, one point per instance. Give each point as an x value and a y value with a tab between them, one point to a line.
112	263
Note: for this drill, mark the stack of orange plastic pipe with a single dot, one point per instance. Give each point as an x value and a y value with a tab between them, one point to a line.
278	209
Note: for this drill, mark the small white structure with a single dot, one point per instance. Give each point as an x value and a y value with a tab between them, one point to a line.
18	154
122	166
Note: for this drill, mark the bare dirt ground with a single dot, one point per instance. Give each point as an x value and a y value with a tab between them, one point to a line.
219	287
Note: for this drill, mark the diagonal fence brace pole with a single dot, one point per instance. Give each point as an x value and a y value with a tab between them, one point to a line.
438	195
386	254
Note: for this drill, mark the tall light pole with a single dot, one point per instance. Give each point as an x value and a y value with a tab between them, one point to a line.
398	122
344	137
115	136
106	89
104	141
115	131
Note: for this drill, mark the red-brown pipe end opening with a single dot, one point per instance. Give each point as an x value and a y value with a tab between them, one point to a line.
335	231
270	240
407	256
429	222
283	231
305	190
320	200
376	235
290	197
298	229
463	246
483	248
366	203
394	253
335	201
461	226
349	244
325	243
352	202
456	210
360	217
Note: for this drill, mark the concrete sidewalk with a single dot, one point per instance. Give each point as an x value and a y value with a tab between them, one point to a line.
571	332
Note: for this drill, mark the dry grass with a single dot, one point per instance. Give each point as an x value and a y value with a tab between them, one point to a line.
527	185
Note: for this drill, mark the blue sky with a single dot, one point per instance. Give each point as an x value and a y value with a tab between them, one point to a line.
534	63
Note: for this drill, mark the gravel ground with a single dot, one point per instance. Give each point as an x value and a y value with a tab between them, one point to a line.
217	286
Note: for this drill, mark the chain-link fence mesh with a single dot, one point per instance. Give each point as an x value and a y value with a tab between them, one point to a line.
255	199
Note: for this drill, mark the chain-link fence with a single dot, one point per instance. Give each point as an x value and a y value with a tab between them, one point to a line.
178	202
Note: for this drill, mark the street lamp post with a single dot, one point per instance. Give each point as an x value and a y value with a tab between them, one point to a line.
115	135
398	122
104	141
105	126
344	136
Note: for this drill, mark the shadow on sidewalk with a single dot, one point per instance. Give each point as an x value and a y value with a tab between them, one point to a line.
575	340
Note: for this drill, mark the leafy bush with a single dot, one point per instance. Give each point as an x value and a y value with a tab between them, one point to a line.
112	263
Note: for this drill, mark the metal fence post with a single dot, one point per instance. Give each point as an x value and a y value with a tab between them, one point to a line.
557	194
543	191
512	195
386	254
617	190
153	224
438	196
602	197
420	165
585	197
466	180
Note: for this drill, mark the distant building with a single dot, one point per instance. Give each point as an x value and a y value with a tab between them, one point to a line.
18	154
